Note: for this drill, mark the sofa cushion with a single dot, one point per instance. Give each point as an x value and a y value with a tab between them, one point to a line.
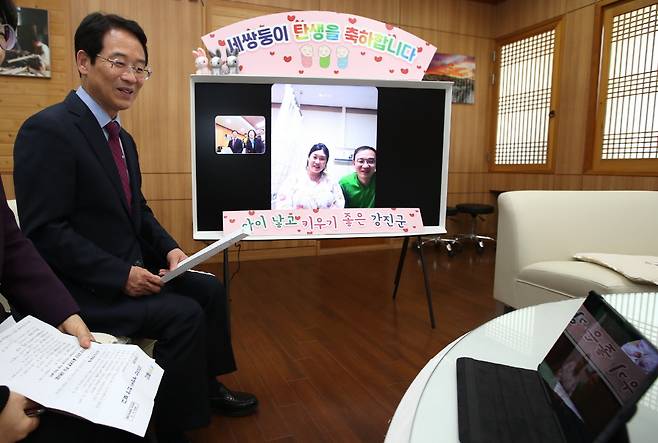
573	279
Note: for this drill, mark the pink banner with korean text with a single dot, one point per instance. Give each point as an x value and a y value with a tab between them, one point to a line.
304	222
322	44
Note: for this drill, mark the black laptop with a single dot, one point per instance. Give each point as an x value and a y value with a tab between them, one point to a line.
584	390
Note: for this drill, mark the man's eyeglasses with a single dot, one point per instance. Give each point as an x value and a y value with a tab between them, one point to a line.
362	161
140	72
8	37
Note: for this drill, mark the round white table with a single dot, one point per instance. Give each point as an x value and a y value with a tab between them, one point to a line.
428	410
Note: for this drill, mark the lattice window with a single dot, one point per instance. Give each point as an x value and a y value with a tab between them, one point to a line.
525	93
628	94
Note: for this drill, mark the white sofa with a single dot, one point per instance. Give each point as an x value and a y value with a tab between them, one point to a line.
540	231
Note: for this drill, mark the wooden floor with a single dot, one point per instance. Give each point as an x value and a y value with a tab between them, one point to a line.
326	350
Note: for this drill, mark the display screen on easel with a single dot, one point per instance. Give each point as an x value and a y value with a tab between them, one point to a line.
254	139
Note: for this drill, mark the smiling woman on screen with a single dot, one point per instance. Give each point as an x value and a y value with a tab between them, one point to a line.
313	189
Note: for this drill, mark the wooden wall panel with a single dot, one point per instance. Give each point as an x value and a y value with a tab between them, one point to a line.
568	181
572	5
8	184
221	13
606	182
283	5
387	12
511	182
514	15
455	16
466	182
573	95
167	186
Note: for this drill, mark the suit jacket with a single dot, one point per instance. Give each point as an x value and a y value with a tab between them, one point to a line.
236	145
73	207
25	279
257	147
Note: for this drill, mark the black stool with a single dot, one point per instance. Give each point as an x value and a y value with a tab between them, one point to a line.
449	242
475	210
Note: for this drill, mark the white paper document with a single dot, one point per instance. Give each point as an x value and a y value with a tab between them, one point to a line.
205	254
7	323
109	384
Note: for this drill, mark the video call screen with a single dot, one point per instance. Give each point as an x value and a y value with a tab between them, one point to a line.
253	140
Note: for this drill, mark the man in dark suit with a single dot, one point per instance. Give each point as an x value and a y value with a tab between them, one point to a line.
236	143
78	187
32	288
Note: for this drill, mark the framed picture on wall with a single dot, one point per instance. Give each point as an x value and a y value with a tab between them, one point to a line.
31	55
456	68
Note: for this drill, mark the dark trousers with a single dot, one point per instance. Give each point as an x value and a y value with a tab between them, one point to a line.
189	319
55	427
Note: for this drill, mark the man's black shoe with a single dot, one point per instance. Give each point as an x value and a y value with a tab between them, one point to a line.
231	403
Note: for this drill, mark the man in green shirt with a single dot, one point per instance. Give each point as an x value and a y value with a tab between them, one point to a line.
359	186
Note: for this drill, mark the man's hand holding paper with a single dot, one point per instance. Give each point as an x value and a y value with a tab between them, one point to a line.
142	282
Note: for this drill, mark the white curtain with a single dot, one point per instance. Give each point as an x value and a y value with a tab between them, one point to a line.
288	150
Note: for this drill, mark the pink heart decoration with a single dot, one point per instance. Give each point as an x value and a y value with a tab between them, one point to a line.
221	42
316	210
420	49
287	58
211	35
404	70
291	18
389	26
301	71
272	52
378	58
232	220
351	20
251	212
